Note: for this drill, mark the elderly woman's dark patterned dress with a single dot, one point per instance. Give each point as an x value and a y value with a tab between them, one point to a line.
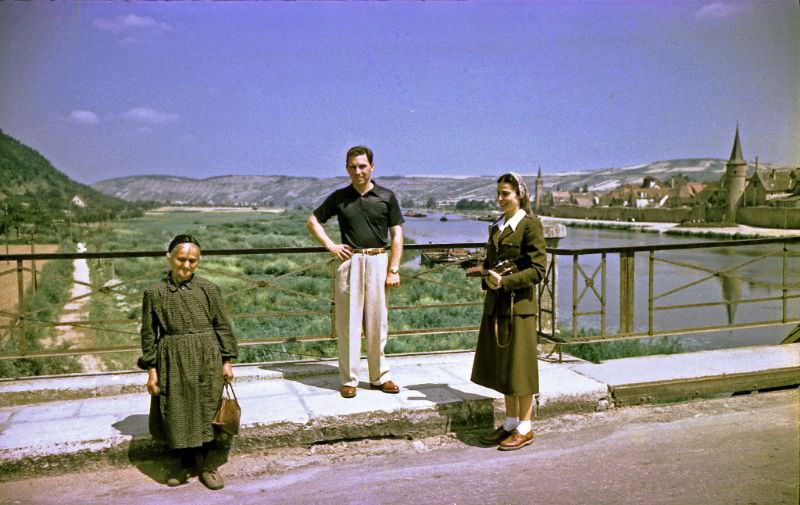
185	337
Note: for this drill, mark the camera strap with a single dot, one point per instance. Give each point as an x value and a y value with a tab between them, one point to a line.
510	332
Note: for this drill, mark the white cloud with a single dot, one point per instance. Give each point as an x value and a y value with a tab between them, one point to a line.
131	21
84	116
148	115
719	10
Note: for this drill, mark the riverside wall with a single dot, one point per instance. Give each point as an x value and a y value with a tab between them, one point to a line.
760	217
622	213
769	217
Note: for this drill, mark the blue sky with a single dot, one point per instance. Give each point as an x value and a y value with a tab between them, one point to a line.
204	89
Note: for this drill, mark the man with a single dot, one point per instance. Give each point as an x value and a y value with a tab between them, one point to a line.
367	213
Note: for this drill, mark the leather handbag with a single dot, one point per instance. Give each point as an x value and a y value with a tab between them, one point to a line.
229	413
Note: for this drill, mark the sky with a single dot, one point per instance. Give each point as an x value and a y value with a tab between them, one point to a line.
203	89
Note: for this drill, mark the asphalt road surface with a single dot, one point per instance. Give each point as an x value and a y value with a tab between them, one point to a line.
728	451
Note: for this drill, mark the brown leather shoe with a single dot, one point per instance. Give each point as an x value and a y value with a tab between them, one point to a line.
516	441
387	387
212	480
348	392
495	437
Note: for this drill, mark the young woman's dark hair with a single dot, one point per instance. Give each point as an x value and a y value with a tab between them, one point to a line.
521	188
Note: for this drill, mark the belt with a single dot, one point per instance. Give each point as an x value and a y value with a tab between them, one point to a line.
370	252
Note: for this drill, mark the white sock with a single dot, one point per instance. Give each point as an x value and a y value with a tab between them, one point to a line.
510	423
524	427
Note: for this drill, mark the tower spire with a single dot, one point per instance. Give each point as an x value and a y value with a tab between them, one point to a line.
736	152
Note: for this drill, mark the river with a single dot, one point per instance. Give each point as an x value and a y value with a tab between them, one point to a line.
760	278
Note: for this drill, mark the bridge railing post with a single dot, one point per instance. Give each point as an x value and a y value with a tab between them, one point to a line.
626	292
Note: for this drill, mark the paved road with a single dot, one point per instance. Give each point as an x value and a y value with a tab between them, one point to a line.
741	450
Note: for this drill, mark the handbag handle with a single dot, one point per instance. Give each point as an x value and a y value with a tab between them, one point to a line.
229	388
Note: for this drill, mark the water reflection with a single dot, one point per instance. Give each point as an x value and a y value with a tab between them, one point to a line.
721	274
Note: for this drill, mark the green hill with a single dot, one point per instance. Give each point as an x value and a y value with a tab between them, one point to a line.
35	196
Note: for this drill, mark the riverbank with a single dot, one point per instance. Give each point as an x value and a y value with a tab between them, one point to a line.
732	231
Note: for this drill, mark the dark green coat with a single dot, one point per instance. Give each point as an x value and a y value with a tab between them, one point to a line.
185	337
505	356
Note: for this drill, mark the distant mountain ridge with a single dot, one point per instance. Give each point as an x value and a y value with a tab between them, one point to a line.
288	191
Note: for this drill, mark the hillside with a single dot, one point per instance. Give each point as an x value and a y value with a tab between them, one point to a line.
288	191
35	193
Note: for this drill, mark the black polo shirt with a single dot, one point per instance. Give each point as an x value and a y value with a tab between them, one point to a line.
364	220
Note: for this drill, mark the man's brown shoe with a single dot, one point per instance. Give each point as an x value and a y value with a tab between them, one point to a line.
348	392
387	387
212	479
516	441
495	437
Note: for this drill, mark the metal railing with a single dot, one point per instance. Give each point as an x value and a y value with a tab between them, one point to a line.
777	262
295	295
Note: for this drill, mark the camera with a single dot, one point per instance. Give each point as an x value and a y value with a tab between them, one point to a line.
502	267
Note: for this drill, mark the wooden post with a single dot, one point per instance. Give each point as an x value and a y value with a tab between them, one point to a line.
34	281
333	303
626	298
23	344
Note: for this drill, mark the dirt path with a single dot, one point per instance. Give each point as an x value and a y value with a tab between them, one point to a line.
76	310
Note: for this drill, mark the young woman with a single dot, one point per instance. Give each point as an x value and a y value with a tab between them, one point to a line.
505	357
187	348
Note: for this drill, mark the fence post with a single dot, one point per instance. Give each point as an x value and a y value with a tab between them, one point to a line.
23	344
784	282
626	298
34	282
333	299
651	273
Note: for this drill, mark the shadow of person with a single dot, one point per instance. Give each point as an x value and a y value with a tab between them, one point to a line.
315	375
150	456
156	460
468	415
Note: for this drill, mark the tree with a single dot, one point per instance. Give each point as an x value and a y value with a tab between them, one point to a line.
407	202
430	203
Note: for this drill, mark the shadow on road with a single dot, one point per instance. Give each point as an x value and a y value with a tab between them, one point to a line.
468	415
155	459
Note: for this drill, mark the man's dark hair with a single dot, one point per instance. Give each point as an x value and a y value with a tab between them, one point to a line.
358	151
182	239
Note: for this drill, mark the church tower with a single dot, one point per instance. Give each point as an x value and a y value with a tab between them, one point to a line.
539	192
735	179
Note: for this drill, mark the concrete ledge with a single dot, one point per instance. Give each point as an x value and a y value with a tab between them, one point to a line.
282	405
693	375
102	419
703	387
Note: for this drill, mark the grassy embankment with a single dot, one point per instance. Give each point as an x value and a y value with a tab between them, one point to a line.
268	295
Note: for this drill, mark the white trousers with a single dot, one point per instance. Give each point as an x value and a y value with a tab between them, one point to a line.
361	306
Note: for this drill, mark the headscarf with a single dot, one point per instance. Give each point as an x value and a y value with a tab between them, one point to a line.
522	190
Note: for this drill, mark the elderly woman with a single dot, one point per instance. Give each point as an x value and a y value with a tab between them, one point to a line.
505	357
187	348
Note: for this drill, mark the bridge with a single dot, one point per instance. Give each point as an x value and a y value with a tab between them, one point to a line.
74	413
